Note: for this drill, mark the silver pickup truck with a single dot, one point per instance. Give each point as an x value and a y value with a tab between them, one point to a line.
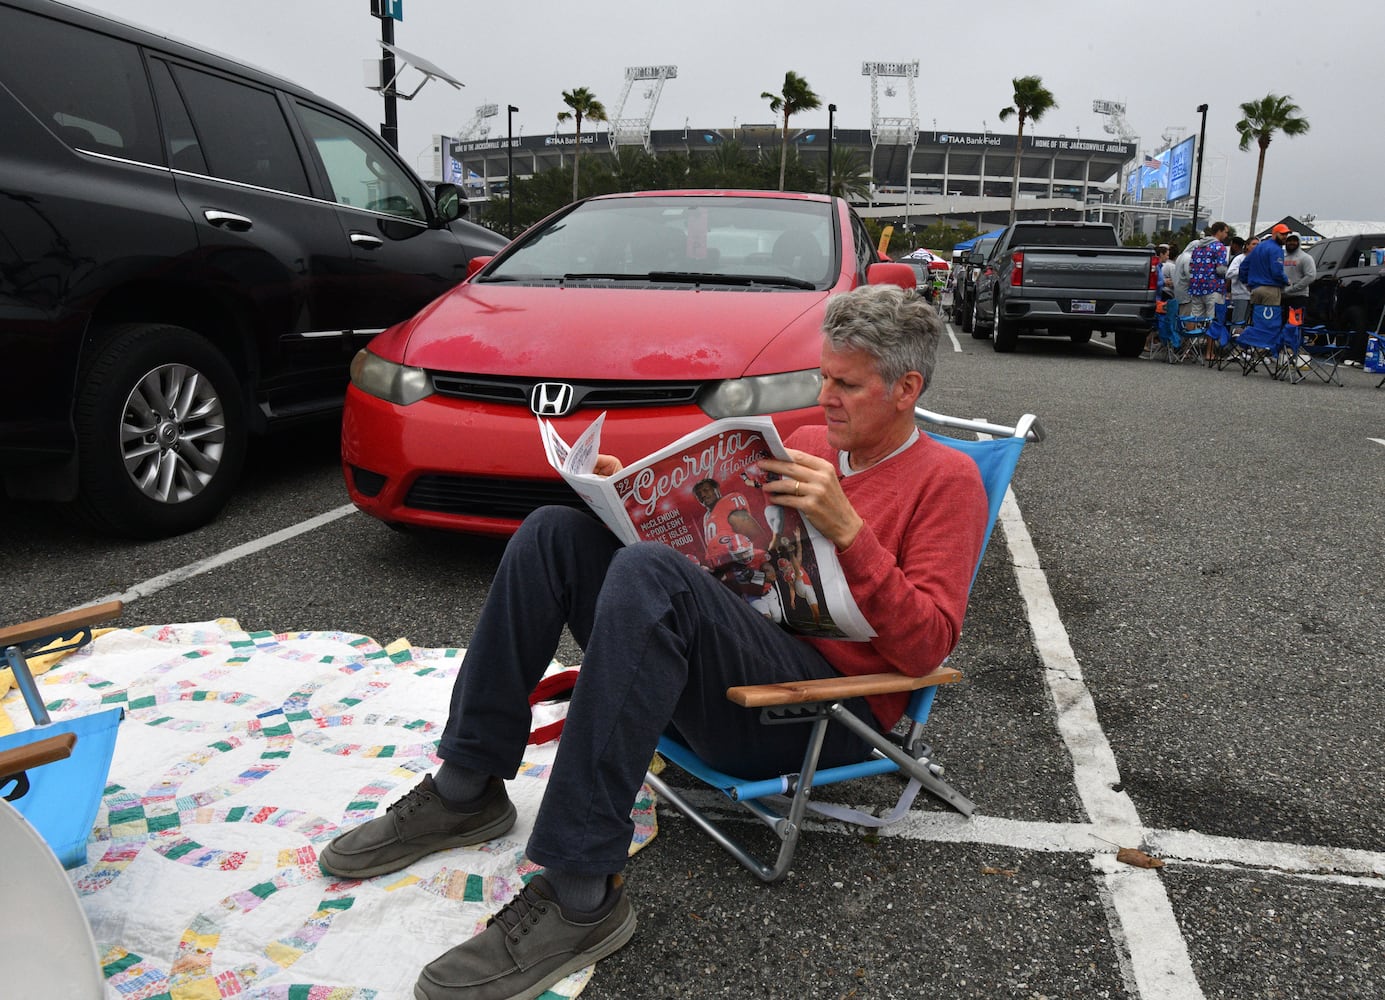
1067	279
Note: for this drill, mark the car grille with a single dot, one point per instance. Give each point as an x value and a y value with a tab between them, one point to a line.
473	495
589	395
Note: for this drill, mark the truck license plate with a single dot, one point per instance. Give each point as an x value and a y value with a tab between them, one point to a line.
1084	305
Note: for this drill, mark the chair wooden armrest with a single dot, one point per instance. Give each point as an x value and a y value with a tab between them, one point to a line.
836	688
44	751
59	625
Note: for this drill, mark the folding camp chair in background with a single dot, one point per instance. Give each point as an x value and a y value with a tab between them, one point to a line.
1320	351
1190	344
782	802
1219	336
1261	344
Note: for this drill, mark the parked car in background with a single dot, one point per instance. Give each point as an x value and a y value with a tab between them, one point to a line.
663	309
191	251
1349	290
1065	279
964	285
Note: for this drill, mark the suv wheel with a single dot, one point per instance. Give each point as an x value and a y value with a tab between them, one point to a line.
160	431
1006	334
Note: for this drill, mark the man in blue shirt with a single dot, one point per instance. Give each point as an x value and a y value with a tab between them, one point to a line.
1263	269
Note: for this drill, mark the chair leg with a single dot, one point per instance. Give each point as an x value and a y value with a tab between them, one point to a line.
786	826
922	771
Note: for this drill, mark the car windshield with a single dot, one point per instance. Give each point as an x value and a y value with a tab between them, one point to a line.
687	239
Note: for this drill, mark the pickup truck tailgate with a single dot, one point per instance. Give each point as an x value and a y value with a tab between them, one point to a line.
1093	270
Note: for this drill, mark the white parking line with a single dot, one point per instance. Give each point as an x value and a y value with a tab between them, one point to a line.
1145	926
164	580
956	346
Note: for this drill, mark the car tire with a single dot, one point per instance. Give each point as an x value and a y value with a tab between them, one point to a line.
1080	336
964	318
150	466
1129	343
1005	333
978	329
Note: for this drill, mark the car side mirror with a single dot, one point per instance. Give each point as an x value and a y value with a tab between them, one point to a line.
892	273
451	204
476	263
976	258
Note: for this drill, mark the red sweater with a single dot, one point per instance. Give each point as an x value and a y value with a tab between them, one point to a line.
910	567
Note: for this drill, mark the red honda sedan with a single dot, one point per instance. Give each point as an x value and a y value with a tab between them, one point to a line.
664	309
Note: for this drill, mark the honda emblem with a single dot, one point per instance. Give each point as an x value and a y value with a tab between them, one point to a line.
551	399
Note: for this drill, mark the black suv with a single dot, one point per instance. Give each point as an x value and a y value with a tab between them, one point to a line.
191	251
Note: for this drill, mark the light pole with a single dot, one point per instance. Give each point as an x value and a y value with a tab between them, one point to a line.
831	110
510	163
1197	190
389	128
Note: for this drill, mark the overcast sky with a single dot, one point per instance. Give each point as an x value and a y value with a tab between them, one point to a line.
1161	59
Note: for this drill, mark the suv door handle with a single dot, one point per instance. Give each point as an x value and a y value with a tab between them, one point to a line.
226	220
367	241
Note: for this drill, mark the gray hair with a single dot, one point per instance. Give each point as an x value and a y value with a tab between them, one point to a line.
898	329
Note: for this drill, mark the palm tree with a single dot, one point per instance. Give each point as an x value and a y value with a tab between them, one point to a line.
849	178
1259	122
1031	102
584	105
797	96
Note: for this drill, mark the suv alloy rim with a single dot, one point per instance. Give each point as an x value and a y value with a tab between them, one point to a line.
172	433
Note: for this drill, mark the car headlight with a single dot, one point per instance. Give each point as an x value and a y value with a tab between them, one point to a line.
741	397
398	384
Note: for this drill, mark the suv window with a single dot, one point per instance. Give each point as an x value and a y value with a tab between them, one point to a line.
1328	254
361	174
94	96
242	131
184	152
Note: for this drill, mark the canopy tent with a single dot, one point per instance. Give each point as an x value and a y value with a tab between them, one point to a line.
934	260
968	244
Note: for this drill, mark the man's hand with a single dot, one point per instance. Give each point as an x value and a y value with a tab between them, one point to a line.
809	485
607	465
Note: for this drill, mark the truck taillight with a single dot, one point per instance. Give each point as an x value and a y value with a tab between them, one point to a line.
1154	271
1017	272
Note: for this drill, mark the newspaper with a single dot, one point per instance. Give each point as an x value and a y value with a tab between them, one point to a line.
701	496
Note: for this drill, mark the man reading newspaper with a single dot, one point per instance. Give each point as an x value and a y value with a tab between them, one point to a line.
663	640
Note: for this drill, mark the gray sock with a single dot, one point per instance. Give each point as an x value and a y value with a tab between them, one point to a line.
459	786
580	893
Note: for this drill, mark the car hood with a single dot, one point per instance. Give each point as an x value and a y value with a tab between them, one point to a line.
615	333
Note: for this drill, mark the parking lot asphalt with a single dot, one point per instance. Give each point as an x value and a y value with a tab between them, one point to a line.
1187	657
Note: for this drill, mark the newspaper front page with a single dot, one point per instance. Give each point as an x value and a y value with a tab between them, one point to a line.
701	496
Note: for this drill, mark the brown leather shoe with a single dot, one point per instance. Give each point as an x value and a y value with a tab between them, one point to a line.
527	946
416	826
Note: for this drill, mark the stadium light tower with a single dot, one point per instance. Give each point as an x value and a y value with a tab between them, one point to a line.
635	131
1115	124
894	131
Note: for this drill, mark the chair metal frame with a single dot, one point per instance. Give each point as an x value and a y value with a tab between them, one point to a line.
783	802
1320	351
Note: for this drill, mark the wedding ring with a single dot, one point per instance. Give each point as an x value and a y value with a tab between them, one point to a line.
797	487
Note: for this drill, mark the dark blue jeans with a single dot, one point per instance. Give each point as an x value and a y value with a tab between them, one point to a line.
662	642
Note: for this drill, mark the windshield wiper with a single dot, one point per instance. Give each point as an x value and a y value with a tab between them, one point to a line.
699	278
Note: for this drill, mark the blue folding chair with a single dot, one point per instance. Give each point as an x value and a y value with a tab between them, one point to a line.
1261	344
55	773
782	802
1320	351
1219	337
